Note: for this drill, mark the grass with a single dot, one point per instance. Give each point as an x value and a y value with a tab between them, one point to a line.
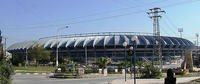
189	75
197	80
34	69
65	75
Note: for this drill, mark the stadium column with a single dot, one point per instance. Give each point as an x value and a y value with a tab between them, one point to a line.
104	52
168	54
95	54
69	54
86	58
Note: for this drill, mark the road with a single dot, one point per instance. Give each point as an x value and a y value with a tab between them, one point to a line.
43	79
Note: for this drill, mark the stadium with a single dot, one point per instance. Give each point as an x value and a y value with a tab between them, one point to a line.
90	46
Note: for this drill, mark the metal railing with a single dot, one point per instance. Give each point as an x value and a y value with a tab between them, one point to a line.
101	34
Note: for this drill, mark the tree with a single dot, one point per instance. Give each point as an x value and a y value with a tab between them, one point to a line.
103	62
149	71
64	60
122	64
6	70
39	54
18	58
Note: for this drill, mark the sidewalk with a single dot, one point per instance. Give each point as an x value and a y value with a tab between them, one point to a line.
152	81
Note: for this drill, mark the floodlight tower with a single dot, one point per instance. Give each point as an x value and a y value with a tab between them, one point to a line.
180	30
155	14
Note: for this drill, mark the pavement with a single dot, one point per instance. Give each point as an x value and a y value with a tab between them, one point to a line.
43	79
111	79
186	80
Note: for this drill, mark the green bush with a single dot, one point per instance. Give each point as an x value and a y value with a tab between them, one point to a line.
112	71
6	70
18	59
89	70
149	71
63	67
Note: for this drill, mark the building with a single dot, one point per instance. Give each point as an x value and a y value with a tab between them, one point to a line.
88	47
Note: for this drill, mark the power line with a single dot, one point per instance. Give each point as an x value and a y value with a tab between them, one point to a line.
171	29
104	12
124	4
171	22
92	20
108	17
180	3
152	3
27	11
164	30
99	13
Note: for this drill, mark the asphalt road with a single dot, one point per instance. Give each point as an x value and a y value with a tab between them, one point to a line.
43	79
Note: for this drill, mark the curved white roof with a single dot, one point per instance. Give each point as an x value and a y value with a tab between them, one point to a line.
93	41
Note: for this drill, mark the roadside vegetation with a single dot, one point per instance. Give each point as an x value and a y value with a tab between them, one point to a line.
40	61
34	69
147	70
6	68
6	71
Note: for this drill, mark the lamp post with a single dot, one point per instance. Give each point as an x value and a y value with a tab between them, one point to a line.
57	44
134	39
131	54
125	58
26	51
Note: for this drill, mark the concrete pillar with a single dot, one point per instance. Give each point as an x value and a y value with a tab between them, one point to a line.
105	72
100	71
116	70
123	72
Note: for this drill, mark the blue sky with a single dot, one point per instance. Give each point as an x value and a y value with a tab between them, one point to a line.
22	20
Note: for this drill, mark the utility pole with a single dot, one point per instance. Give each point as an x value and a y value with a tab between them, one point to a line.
5	47
1	47
197	44
155	14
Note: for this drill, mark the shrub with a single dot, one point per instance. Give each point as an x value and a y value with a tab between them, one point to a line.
149	71
6	71
89	70
18	59
63	67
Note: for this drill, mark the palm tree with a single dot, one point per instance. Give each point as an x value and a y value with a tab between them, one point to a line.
103	62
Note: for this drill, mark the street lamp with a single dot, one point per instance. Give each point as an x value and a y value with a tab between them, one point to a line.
125	45
131	54
26	51
134	39
57	44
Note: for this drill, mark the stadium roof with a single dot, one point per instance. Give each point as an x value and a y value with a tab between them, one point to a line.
101	39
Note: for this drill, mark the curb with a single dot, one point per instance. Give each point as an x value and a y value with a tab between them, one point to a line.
34	73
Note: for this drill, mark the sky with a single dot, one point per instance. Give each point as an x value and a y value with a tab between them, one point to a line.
23	20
